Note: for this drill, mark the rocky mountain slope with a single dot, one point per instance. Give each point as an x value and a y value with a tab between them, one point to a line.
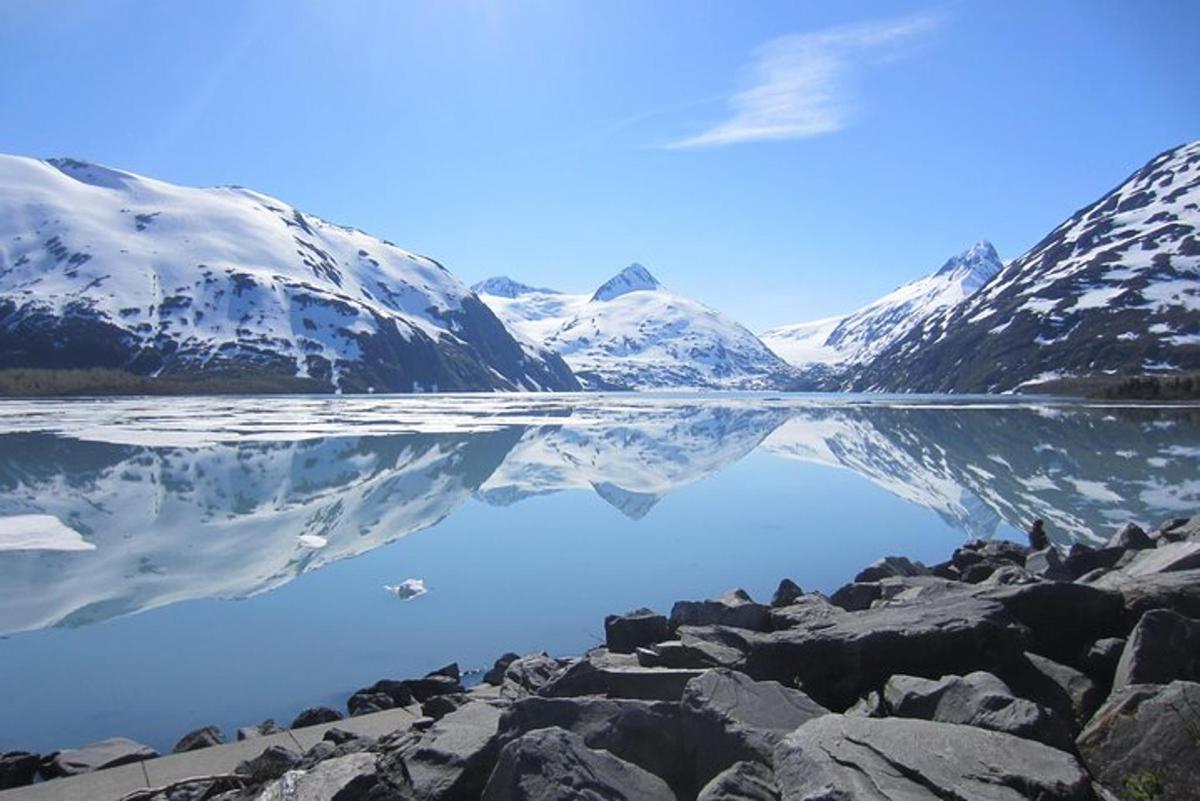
1114	290
859	337
104	268
632	333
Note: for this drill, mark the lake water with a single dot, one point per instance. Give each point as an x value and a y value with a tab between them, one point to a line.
169	563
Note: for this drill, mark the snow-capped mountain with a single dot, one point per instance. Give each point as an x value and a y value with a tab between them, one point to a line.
104	268
1112	291
861	336
632	333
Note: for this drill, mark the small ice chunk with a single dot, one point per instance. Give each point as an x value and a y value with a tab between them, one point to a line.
313	541
407	589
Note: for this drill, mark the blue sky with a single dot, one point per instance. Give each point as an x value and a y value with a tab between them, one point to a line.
778	160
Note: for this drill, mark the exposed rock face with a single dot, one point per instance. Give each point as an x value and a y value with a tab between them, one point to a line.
1164	646
623	634
805	610
204	737
728	717
1070	693
555	765
842	757
1065	618
743	781
734	608
17	768
786	593
450	761
1145	735
645	733
345	778
977	699
97	756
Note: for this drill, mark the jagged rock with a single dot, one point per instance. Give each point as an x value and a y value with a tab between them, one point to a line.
17	768
204	737
837	663
272	763
697	647
1168	558
837	757
979	559
734	608
314	716
1163	646
918	589
742	781
1181	530
856	596
364	703
891	567
806	610
555	765
786	593
441	705
528	674
1048	564
96	756
1009	575
728	717
624	634
596	675
449	761
1070	693
495	675
345	778
644	733
264	729
439	682
1131	537
977	699
1146	734
1178	591
1082	560
340	736
1065	618
1100	661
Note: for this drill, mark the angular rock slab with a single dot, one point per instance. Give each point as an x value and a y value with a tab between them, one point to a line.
729	717
96	756
555	765
842	758
1163	646
349	777
735	608
624	634
978	699
451	760
1147	730
743	781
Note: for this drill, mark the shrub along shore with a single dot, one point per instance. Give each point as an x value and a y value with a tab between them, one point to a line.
1002	673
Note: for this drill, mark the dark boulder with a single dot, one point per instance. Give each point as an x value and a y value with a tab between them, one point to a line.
340	736
528	674
644	733
1071	694
1048	564
1065	618
977	699
697	647
838	757
1178	591
856	596
1082	560
728	717
438	682
364	703
17	768
891	567
555	765
398	692
495	675
448	761
1100	661
351	777
96	756
1163	646
734	608
1144	737
596	674
1131	537
314	716
624	634
439	706
787	592
806	610
264	729
742	781
204	737
272	763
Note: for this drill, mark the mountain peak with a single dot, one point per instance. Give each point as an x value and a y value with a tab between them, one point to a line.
504	287
634	278
975	265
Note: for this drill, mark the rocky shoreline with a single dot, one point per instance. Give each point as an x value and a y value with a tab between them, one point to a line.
1002	673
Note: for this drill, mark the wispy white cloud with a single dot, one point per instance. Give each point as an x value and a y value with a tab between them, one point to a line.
802	85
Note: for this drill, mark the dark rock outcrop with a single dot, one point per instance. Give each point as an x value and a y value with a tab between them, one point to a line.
891	567
18	768
204	737
314	716
272	763
735	608
623	634
1163	646
786	593
448	761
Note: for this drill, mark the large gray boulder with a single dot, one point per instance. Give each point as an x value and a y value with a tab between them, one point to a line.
448	761
1065	618
1146	735
345	778
843	758
857	652
976	699
728	717
1167	558
1072	694
204	737
805	611
273	762
528	674
787	592
624	634
1131	537
96	756
1178	591
645	733
697	647
742	781
599	673
890	567
555	765
734	608
1163	646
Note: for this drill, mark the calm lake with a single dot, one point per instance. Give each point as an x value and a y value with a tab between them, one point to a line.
170	563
